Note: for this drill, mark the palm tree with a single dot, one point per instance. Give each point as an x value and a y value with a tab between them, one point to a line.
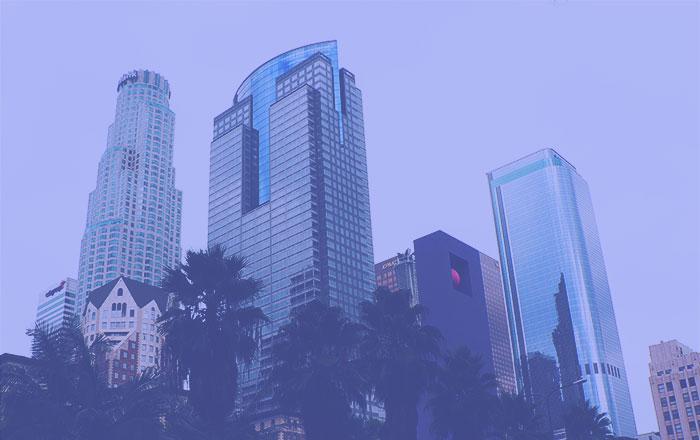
62	394
209	329
585	422
515	419
399	358
315	372
463	400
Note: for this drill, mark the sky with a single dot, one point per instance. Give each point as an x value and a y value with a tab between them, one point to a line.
451	91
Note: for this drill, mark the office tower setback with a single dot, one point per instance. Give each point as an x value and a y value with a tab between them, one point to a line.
134	213
126	311
398	273
288	187
674	376
559	305
461	289
56	307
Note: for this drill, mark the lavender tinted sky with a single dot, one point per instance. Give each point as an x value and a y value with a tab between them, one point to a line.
451	91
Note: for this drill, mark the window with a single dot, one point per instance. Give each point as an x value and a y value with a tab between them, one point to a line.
131	313
691	381
667	415
669	386
664	402
684	384
660	387
689	411
694	395
669	430
675	414
686	397
595	369
120	292
672	400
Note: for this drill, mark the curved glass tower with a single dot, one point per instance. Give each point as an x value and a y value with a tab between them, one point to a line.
134	213
560	309
288	187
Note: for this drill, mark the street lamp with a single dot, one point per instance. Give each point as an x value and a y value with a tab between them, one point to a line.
578	381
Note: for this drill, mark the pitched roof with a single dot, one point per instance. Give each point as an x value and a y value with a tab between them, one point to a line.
141	292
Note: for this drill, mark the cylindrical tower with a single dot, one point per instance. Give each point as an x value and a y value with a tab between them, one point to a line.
134	213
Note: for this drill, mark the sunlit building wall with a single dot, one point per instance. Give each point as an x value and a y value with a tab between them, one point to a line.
559	303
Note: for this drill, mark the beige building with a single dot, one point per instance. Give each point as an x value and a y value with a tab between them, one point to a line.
674	376
126	312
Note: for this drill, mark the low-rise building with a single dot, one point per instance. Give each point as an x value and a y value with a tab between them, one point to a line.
126	312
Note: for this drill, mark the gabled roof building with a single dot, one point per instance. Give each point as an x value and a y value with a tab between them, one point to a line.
126	312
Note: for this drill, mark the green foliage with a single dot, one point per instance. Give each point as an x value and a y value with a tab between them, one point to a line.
61	395
515	419
462	400
585	422
208	330
398	356
315	371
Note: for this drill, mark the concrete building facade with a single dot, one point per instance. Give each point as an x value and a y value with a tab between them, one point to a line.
674	377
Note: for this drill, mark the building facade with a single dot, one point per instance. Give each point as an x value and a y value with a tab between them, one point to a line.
674	377
398	273
134	213
57	304
125	311
461	289
649	436
289	191
559	303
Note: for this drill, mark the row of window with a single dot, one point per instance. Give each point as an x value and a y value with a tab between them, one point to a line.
687	397
680	369
668	386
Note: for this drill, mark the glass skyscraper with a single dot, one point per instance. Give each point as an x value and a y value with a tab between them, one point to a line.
288	187
134	213
557	294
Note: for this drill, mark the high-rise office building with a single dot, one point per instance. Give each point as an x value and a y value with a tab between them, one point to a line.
134	213
461	289
674	376
559	305
288	187
56	306
398	273
125	311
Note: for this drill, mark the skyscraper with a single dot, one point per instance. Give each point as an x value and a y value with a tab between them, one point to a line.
674	377
134	213
557	294
288	187
398	273
461	289
56	306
